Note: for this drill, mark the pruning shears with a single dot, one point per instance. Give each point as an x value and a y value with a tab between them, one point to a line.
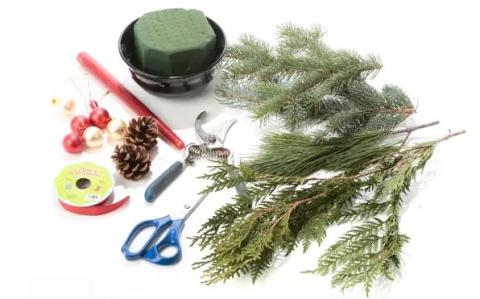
192	151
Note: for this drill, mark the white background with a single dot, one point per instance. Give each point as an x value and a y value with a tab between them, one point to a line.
429	48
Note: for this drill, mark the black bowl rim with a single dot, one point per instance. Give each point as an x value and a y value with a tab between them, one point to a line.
179	77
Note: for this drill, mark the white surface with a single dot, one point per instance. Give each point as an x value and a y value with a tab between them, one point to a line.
429	48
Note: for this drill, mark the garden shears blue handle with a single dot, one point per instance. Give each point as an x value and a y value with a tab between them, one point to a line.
153	248
161	183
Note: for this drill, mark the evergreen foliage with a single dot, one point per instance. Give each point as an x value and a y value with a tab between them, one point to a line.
305	82
287	202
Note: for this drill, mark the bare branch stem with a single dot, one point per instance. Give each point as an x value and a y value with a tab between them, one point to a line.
450	135
411	129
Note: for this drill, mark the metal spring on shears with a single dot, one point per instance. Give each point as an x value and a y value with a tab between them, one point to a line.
209	153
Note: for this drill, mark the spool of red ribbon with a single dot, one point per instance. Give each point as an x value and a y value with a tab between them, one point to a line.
87	189
99	209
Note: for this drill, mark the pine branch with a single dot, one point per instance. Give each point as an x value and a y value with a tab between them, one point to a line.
296	154
303	154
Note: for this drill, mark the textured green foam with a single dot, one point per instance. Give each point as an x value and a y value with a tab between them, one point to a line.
173	41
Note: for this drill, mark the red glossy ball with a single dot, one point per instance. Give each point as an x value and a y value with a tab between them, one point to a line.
79	123
73	143
100	118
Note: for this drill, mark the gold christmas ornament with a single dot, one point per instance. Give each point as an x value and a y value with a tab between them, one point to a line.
65	107
116	129
93	136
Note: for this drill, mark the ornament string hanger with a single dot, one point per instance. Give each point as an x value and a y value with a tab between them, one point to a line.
89	88
98	116
66	94
71	91
89	102
76	82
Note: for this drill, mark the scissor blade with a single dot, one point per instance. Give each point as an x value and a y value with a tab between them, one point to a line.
195	206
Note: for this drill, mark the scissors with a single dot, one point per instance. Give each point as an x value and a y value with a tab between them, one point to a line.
152	249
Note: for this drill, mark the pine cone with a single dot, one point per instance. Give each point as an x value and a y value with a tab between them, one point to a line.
142	131
132	161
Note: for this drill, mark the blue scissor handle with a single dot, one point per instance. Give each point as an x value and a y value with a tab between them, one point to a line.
172	239
159	225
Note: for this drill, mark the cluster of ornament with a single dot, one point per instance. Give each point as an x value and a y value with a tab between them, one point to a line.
88	131
132	159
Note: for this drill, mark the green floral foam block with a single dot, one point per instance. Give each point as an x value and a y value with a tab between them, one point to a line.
173	42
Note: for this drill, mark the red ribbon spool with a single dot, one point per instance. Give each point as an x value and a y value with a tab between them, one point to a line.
100	208
87	189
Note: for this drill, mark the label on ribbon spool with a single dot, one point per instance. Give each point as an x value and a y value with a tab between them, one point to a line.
85	188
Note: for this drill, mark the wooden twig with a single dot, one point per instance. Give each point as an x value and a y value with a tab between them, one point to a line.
450	135
411	129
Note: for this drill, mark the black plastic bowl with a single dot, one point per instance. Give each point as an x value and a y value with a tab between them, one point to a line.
170	85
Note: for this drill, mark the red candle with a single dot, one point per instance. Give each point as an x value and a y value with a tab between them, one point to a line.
126	97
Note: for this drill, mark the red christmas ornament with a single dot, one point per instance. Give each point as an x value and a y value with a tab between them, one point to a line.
79	123
99	117
73	143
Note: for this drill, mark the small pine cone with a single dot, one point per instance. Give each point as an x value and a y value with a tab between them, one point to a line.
132	161
142	131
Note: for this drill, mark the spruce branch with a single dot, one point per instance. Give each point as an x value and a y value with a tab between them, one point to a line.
297	78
